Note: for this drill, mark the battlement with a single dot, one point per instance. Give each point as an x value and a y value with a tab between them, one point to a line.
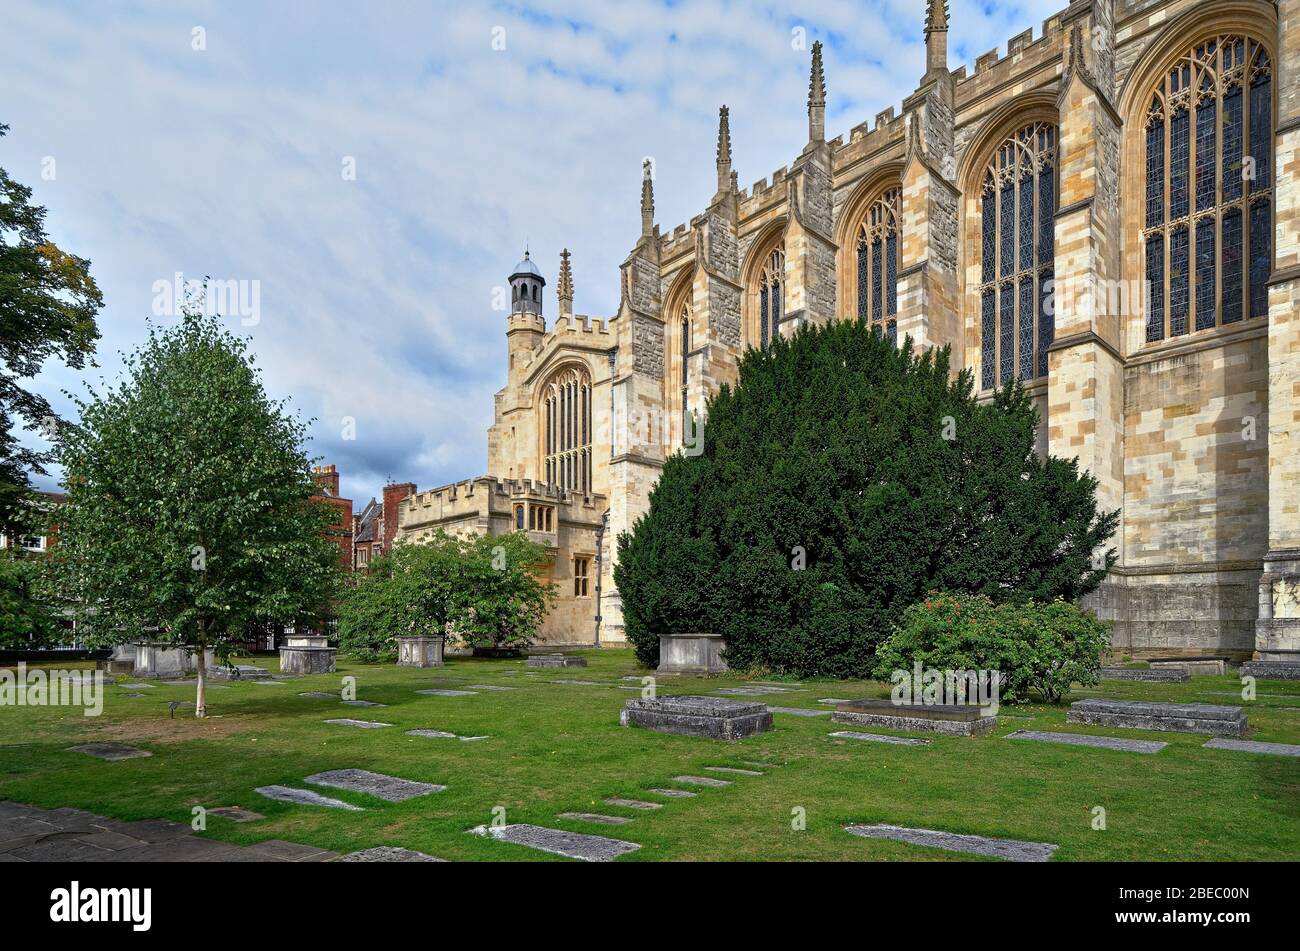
681	238
486	495
582	325
1017	47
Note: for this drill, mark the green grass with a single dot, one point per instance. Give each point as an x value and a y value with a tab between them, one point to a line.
559	748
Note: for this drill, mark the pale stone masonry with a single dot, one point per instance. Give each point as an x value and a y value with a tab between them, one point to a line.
1193	433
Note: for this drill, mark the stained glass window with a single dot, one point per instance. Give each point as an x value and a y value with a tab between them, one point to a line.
1017	317
566	404
771	295
878	288
1218	233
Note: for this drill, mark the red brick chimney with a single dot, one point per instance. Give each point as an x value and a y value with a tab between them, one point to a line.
393	495
327	477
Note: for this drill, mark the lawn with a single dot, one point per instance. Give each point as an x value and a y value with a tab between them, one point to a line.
557	747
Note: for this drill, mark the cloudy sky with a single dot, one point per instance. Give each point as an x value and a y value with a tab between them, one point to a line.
220	139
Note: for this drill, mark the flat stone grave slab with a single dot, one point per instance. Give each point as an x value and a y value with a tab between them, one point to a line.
712	717
488	687
239	672
633	803
362	703
701	781
595	817
1271	669
951	720
391	788
136	686
1254	746
131	694
1082	739
879	738
438	692
359	724
800	711
1009	849
755	690
556	660
1147	715
672	793
305	797
110	751
834	700
732	769
236	813
388	853
444	735
574	845
319	695
584	683
267	683
1175	675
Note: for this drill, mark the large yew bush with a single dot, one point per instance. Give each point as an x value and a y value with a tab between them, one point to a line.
841	480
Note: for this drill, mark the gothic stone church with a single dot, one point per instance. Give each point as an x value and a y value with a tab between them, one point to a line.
1110	211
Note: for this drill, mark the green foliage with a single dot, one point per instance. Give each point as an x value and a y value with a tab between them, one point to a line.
189	498
27	618
1042	647
841	480
485	591
48	303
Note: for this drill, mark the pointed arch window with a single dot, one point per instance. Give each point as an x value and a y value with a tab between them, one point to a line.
1017	221
1208	231
878	238
566	447
771	296
684	344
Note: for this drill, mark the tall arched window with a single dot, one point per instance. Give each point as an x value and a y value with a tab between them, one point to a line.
771	296
684	328
878	265
1016	255
1208	234
566	407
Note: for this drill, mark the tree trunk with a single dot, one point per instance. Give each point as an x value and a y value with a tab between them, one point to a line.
200	701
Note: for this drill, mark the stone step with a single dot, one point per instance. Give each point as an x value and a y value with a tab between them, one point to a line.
575	845
1009	849
1083	739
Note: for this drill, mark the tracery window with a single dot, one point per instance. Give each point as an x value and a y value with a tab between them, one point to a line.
1208	229
1017	239
878	239
566	403
685	349
771	296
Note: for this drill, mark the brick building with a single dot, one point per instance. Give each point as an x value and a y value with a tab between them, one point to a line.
340	531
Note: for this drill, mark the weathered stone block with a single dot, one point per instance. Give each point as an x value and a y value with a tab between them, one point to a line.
1272	669
313	658
1199	666
1143	675
954	720
1172	717
691	653
556	660
711	717
420	651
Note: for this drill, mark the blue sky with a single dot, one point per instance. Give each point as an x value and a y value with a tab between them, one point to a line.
376	291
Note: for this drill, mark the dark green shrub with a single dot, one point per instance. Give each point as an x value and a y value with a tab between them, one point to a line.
842	479
1034	646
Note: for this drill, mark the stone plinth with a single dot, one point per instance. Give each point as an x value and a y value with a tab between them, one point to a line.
1272	669
556	660
420	651
1169	717
159	660
954	720
711	717
1194	666
1174	675
691	654
306	654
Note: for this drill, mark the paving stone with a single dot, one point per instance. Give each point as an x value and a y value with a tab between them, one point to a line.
1146	715
153	831
388	853
879	738
711	717
800	711
136	686
595	817
60	848
290	851
111	841
672	793
305	797
1254	746
110	751
633	803
391	788
1080	739
1009	849
362	703
701	781
438	692
732	769
235	813
574	845
319	695
360	724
